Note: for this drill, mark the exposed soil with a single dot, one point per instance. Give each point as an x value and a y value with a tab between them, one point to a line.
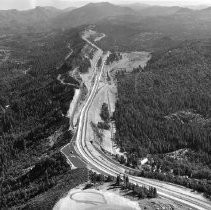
109	196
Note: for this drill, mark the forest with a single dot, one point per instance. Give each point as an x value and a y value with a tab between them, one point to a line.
167	107
114	56
33	106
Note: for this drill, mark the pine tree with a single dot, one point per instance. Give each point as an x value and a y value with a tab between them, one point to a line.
127	181
118	180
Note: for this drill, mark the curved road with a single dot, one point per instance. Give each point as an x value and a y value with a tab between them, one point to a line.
99	161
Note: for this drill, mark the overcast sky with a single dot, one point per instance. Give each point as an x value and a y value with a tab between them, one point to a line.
26	4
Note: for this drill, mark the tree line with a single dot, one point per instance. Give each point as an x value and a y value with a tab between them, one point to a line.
125	184
147	114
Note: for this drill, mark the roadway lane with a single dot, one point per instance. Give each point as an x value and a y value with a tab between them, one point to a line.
99	161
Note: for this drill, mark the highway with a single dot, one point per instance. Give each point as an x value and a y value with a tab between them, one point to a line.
99	161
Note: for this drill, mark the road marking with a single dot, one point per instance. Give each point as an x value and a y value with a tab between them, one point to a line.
112	169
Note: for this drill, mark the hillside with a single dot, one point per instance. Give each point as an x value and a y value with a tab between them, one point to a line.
38	18
90	14
167	107
46	18
182	23
33	109
136	6
126	33
177	80
154	33
154	11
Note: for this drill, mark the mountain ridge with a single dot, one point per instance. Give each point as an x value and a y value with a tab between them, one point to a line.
47	18
90	14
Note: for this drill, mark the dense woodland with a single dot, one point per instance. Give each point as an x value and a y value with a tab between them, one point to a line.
62	184
166	107
43	176
123	35
105	116
113	56
33	106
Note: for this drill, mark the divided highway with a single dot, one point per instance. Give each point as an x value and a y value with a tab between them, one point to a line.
100	162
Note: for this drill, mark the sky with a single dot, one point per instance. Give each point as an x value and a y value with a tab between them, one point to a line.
28	4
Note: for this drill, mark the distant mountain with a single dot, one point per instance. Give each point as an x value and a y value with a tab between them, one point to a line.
182	11
206	9
201	17
204	14
90	14
59	4
136	6
39	17
175	20
69	9
153	11
185	9
197	7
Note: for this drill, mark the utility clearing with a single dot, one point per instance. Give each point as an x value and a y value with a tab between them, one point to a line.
107	93
131	60
108	197
92	199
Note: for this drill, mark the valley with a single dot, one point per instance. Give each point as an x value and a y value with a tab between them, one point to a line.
97	160
107	97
